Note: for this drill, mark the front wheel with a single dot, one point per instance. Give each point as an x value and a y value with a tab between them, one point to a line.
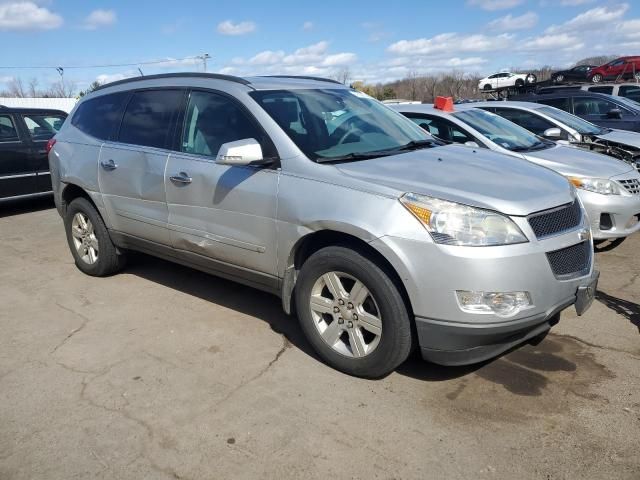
558	79
89	241
352	313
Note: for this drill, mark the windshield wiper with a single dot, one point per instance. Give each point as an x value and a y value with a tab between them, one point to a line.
418	144
351	157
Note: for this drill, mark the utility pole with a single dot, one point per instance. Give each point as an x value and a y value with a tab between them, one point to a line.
60	70
204	58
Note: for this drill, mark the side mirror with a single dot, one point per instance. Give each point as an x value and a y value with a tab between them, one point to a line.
472	144
614	113
552	133
240	153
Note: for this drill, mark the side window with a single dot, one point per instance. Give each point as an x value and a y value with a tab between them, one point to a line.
608	90
149	118
43	127
561	103
8	131
592	106
212	120
631	92
527	120
441	128
99	116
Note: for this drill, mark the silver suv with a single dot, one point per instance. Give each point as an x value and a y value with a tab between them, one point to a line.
378	237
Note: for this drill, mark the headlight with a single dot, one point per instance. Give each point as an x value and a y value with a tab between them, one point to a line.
452	223
597	185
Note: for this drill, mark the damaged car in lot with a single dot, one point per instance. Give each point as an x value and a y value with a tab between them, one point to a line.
609	188
558	125
378	237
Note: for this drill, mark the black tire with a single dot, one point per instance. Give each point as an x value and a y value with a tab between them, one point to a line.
109	260
395	341
597	78
487	87
519	83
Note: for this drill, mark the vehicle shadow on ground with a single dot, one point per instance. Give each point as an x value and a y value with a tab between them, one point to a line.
625	308
11	208
263	306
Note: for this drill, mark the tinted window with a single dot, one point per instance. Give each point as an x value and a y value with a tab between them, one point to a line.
607	90
149	118
214	119
8	131
630	91
43	127
561	103
526	120
592	106
441	128
99	116
577	123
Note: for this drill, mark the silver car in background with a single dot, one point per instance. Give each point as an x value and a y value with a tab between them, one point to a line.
609	188
378	238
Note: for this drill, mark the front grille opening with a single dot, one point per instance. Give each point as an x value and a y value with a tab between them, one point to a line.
571	262
606	222
556	221
631	185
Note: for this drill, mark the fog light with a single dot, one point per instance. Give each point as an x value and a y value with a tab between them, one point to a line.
503	304
633	221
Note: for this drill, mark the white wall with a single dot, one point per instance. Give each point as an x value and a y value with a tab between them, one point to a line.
64	104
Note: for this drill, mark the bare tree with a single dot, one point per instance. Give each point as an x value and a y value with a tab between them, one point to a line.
343	75
33	88
15	88
62	89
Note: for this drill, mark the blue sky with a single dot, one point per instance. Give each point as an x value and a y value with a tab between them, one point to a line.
376	40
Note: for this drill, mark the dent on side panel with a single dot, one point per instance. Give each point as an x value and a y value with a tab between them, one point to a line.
77	164
306	206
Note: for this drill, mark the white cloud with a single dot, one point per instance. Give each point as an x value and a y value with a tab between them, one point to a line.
114	77
307	26
494	4
267	57
560	41
242	28
339	59
98	19
574	3
591	18
23	15
449	44
509	22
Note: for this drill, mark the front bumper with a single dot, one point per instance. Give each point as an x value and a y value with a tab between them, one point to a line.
621	211
432	273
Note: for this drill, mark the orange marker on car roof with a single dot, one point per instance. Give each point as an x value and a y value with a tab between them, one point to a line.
444	103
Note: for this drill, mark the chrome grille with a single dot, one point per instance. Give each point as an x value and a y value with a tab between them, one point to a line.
632	185
557	220
571	262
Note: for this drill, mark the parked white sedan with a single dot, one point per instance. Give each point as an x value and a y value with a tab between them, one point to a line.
506	79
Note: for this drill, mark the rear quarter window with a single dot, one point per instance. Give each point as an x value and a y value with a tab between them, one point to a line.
100	116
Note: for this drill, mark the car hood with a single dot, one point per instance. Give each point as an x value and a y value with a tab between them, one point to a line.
476	177
576	161
622	136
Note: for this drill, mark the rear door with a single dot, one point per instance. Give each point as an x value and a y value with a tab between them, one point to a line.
223	212
41	127
17	170
131	167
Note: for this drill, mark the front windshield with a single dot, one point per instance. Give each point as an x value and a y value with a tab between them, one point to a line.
500	130
340	124
578	124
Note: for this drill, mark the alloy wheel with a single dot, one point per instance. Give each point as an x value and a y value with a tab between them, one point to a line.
84	238
346	314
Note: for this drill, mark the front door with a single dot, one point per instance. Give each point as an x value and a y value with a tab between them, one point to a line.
41	128
221	212
17	172
131	169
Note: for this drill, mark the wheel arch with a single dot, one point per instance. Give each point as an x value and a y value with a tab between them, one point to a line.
70	192
316	240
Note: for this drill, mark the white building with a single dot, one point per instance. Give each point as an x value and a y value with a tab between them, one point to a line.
64	104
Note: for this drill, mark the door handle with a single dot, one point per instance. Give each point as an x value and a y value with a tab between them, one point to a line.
181	177
109	165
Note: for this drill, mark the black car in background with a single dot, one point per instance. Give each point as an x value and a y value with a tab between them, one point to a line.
599	108
24	165
579	73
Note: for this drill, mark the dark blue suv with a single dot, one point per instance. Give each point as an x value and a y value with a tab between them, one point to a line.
599	108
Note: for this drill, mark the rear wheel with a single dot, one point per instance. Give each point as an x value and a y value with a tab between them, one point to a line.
352	313
519	83
92	249
597	78
558	79
637	76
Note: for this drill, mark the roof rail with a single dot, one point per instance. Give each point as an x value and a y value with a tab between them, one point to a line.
303	77
212	76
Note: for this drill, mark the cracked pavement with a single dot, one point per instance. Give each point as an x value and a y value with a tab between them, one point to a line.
162	372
